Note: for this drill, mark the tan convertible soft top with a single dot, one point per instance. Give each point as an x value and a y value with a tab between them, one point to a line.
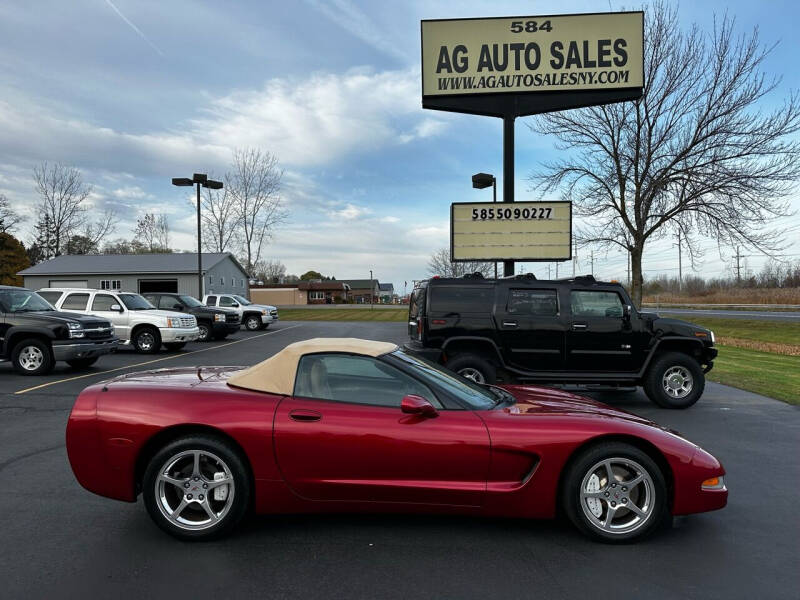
276	374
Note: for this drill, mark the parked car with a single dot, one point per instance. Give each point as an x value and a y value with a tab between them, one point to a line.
355	425
34	335
568	331
213	323
253	316
136	321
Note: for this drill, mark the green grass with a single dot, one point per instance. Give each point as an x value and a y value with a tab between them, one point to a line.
344	314
764	373
779	332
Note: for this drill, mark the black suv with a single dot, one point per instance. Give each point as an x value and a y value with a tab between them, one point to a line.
214	323
34	335
568	331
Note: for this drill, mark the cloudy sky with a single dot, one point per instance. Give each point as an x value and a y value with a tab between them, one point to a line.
134	92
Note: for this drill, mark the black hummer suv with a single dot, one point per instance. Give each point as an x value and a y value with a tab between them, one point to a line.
214	323
568	331
34	335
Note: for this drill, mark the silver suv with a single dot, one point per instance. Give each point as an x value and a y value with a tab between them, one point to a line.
136	321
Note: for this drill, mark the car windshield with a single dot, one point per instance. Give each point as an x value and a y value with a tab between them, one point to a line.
135	302
476	396
243	301
17	301
190	301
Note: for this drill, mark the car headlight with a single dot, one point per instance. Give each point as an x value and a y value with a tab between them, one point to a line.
263	311
76	330
173	322
219	317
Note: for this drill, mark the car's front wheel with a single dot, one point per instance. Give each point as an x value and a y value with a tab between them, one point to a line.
675	380
614	492
252	323
197	487
147	340
473	367
32	357
205	332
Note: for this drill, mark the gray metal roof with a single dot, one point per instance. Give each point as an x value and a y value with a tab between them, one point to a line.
359	284
101	264
386	287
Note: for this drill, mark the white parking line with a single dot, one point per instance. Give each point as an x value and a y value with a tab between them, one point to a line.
150	362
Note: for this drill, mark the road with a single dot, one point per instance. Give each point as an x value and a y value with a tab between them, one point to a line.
758	315
60	541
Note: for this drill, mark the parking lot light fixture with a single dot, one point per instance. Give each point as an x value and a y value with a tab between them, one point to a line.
198	179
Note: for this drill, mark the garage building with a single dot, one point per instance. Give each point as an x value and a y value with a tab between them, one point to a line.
143	273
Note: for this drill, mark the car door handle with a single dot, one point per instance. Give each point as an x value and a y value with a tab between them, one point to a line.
580	326
305	416
510	324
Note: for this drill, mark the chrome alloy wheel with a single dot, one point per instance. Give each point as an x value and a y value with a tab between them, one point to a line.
194	489
31	358
677	382
473	374
205	333
617	495
145	341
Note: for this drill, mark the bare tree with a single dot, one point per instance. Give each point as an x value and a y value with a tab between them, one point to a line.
97	231
221	221
694	155
440	264
254	184
62	193
9	219
270	271
152	231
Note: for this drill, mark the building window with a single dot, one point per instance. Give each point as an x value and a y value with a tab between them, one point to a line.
241	282
110	284
316	295
210	279
222	281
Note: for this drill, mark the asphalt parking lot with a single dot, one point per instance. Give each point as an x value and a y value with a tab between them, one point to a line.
59	541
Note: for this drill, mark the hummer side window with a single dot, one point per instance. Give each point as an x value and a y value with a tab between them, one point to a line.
540	303
595	304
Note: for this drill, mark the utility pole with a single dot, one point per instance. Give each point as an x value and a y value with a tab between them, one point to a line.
371	290
738	266
574	259
592	263
680	264
548	270
629	269
556	270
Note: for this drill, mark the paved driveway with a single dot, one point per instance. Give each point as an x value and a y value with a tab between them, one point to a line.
59	541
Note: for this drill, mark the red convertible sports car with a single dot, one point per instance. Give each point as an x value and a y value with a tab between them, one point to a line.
354	425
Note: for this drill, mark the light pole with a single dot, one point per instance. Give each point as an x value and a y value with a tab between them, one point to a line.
371	290
199	179
481	181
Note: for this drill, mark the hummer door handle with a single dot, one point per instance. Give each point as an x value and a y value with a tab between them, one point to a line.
580	326
509	324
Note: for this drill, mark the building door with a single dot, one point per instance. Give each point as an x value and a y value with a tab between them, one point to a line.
158	285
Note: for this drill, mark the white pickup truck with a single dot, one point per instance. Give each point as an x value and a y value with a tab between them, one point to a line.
253	316
136	321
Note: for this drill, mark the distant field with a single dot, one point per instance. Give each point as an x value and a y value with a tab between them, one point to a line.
343	314
735	296
748	329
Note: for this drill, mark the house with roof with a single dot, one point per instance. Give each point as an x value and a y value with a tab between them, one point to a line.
301	292
386	293
363	291
142	273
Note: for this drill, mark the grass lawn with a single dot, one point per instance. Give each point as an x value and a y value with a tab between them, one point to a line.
344	314
764	373
778	332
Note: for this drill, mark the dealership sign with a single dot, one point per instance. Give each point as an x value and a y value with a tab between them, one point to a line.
532	54
529	231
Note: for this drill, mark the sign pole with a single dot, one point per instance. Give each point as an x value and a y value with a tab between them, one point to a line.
508	174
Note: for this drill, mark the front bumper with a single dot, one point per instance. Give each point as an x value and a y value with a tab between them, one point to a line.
171	335
218	327
72	350
267	319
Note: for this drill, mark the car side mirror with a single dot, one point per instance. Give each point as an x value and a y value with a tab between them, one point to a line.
177	306
235	305
626	312
417	405
116	307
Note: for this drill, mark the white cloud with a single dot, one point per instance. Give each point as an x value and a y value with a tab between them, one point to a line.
350	212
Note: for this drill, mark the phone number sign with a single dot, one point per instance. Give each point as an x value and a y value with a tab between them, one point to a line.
527	231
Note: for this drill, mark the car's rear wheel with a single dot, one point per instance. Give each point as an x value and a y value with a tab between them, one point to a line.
32	357
252	322
614	492
147	340
197	487
205	332
473	367
675	380
82	363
